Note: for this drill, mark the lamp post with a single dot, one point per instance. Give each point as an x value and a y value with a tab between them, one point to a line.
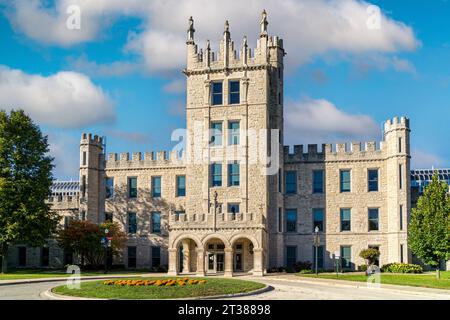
106	250
316	245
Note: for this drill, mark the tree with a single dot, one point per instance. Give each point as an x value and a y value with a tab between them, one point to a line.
370	255
84	239
25	183
429	229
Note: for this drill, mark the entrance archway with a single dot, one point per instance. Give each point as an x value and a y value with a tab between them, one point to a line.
215	251
186	256
243	255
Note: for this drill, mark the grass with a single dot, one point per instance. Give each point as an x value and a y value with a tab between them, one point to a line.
213	286
19	274
427	280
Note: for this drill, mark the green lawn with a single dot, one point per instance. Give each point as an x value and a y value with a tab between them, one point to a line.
18	274
428	280
213	286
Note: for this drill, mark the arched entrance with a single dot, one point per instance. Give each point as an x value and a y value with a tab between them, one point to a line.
187	256
215	250
247	255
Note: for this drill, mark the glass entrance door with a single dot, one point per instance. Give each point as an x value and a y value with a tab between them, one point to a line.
211	262
238	262
220	262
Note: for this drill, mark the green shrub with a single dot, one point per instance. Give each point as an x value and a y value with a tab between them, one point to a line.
397	267
370	255
363	267
302	265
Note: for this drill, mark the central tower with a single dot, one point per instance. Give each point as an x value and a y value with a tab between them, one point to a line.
234	115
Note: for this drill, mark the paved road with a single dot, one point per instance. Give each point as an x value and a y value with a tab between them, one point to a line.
284	288
287	288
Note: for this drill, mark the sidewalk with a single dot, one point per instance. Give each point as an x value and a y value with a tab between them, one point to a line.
441	293
99	277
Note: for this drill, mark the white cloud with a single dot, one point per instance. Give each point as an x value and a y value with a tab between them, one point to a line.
175	86
64	99
320	121
424	160
320	26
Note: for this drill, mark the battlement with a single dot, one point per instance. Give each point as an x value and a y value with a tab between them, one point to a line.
354	149
146	159
87	138
396	123
269	49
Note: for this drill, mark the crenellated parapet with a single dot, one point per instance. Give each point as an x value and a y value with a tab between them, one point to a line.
269	50
339	151
87	138
396	124
145	160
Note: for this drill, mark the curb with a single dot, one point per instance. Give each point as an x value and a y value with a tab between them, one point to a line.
54	296
40	280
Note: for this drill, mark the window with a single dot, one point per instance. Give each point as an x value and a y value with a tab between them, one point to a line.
373	180
345	219
83	186
280	220
318	181
156	222
373	220
400	145
131	257
279	180
319	257
291	256
45	256
345	180
217	94
233	174
156	187
156	257
318	219
216	174
83	215
132	187
401	217
84	158
291	182
108	216
377	259
401	253
22	256
234	92
177	213
109	184
346	257
291	220
216	134
400	176
233	130
233	208
132	223
68	257
181	186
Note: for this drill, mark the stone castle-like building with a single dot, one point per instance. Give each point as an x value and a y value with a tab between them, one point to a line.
216	208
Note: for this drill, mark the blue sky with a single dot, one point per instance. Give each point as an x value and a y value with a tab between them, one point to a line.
120	74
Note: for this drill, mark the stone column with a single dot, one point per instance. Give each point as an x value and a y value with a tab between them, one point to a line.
228	262
200	262
258	262
172	262
186	256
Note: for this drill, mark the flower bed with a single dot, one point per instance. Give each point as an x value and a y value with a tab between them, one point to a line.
157	283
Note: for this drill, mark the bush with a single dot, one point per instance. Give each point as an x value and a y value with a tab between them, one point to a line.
401	268
302	265
370	255
363	267
305	271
